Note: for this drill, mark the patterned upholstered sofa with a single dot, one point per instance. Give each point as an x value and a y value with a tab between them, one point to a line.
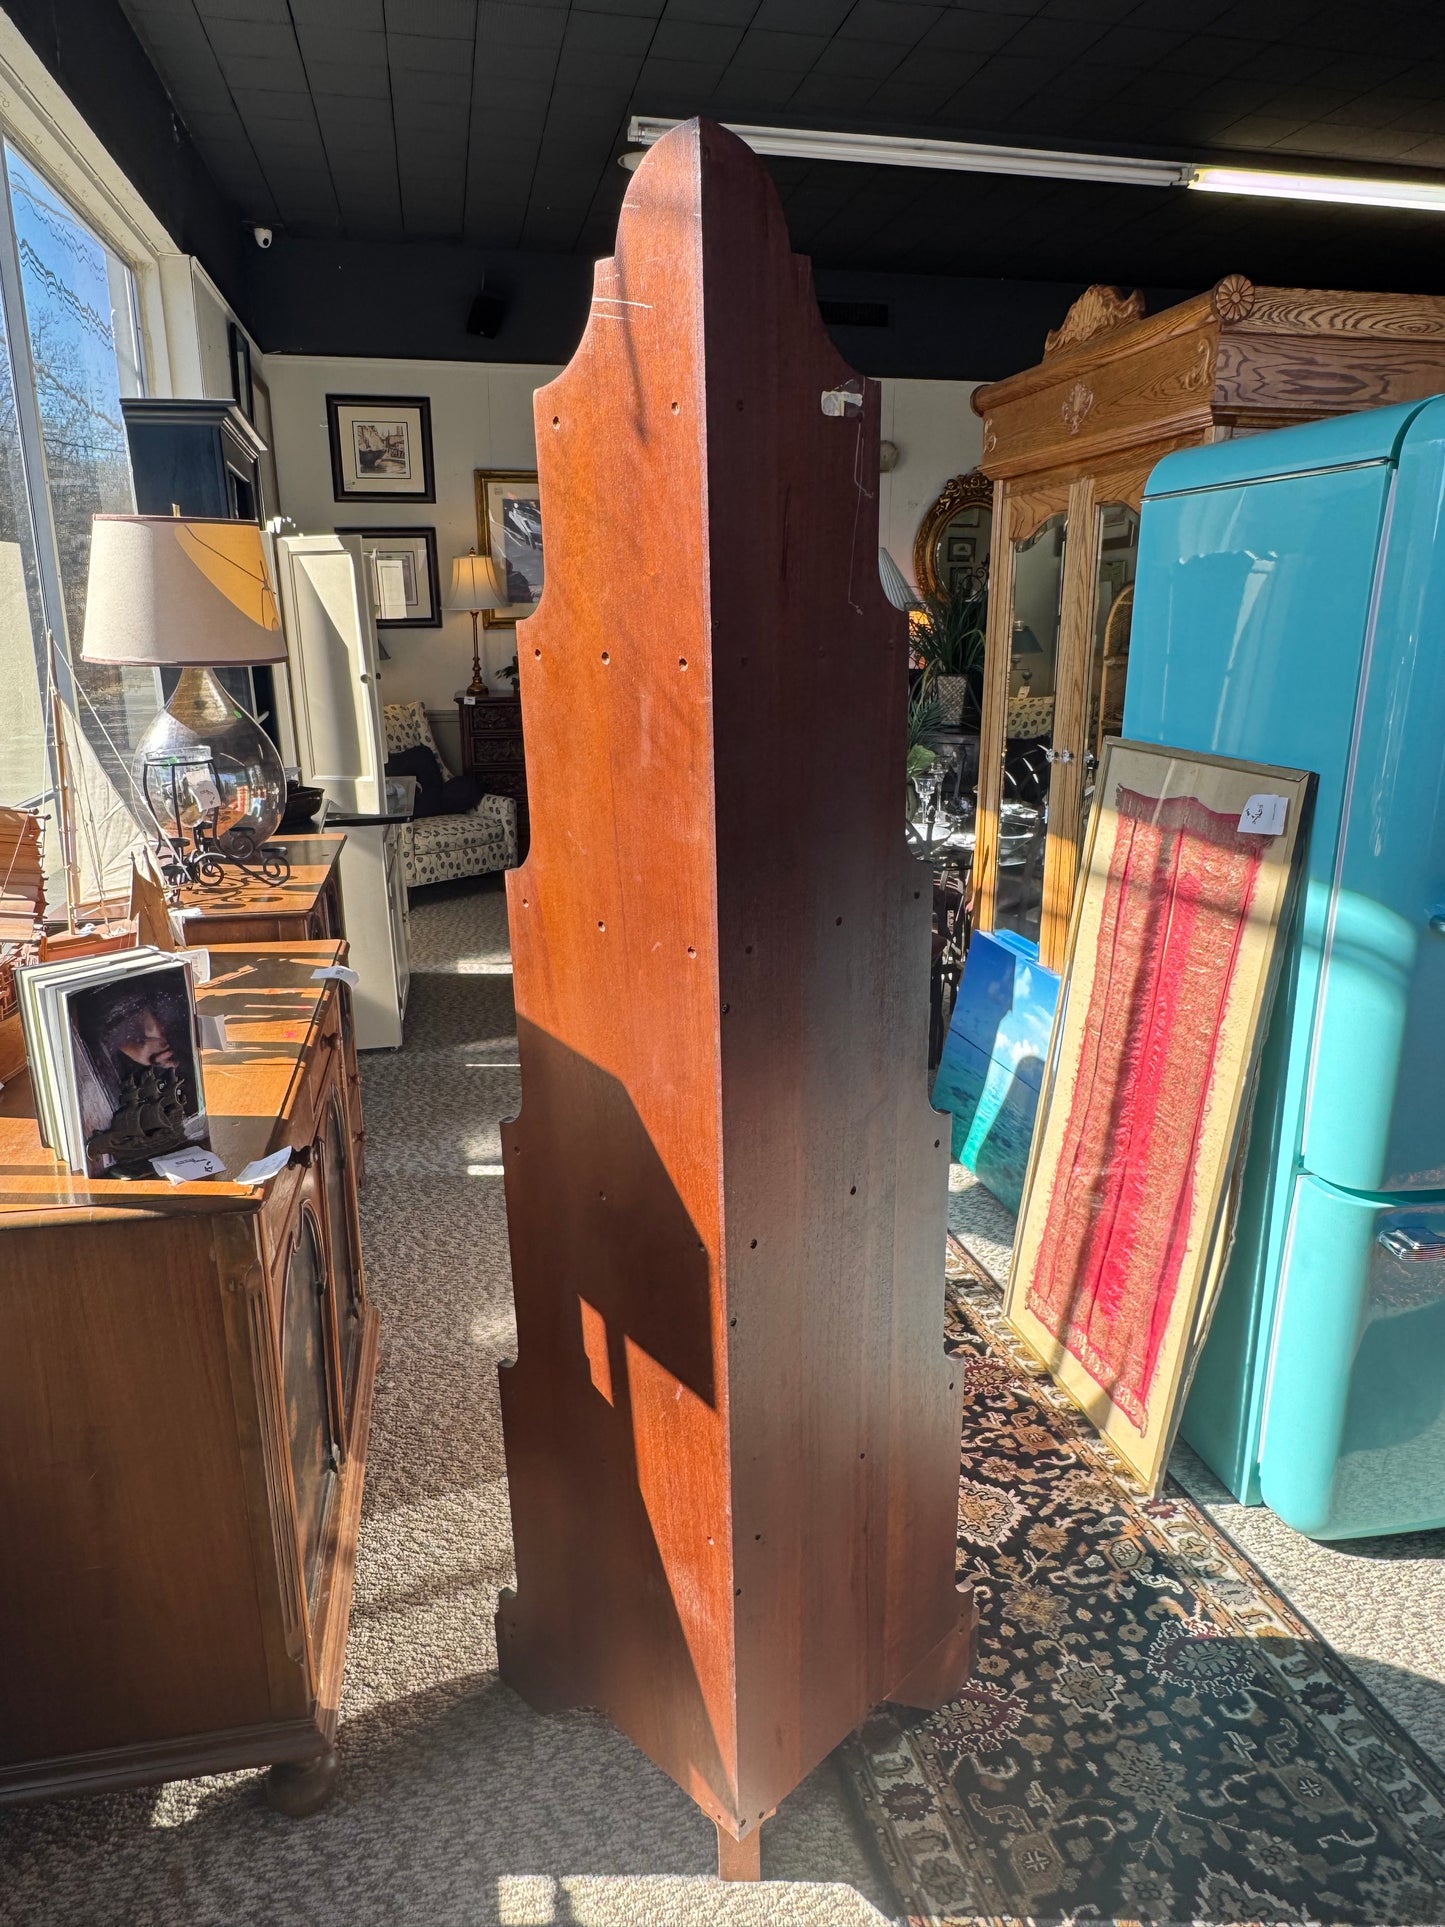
436	848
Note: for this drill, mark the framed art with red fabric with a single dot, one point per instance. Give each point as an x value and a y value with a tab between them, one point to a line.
1183	905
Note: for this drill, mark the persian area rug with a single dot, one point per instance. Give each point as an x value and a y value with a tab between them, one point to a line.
1151	1732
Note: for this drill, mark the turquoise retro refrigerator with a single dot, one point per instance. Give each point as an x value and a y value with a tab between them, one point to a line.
1290	608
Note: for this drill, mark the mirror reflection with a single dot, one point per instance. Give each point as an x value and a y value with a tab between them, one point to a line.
1029	728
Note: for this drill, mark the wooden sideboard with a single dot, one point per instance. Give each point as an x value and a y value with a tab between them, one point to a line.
492	752
185	1390
305	908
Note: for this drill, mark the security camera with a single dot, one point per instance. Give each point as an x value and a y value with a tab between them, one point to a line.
262	236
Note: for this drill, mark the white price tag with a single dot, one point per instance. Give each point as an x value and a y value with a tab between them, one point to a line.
200	962
1264	815
260	1169
185	1167
204	790
337	973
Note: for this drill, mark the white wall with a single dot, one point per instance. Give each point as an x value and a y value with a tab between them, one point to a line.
938	436
482	418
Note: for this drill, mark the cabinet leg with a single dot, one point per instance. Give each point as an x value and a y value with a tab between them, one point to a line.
739	1859
299	1787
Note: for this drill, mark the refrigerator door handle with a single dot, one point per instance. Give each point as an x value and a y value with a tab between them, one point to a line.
1415	1242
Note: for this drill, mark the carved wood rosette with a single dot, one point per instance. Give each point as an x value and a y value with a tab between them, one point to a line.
731	1433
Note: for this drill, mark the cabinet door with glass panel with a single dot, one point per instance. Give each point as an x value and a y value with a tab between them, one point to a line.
1057	661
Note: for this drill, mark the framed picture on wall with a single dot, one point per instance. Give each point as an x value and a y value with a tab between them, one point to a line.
380	448
509	528
403	563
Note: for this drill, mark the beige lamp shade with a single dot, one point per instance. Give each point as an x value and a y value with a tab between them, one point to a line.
178	589
477	583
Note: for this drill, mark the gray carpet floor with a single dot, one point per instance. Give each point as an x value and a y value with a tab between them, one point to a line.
458	1803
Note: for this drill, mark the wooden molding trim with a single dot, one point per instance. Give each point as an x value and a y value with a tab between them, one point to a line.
1097	310
181	1759
1129	338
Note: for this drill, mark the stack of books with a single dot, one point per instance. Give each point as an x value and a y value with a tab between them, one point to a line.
115	1060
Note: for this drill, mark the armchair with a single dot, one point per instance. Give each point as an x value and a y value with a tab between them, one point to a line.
437	848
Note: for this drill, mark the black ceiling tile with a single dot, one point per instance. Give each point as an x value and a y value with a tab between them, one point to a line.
588	66
651	8
1279	20
743	96
272	12
411	53
513	23
913	100
973	29
778	52
686	82
859	57
831	94
257	73
1258	130
507	67
245	39
725	13
447	19
1429	152
889	20
1057	40
337	82
612	33
345	16
802	16
694	41
259	107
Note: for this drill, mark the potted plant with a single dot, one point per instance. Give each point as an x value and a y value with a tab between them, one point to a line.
948	640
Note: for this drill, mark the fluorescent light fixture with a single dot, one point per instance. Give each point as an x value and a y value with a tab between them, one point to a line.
968	157
971	157
1425	197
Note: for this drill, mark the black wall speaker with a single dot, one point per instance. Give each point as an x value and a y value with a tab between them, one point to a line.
487	313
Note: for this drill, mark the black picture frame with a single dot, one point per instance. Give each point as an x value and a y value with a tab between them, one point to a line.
390	413
373	538
242	391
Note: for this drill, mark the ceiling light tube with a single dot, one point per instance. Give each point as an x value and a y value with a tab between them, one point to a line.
889	150
969	157
1427	197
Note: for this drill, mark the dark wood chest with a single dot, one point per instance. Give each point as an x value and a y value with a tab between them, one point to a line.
492	752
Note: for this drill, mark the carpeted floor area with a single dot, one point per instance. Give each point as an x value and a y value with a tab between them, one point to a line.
1379	1603
1151	1732
458	1804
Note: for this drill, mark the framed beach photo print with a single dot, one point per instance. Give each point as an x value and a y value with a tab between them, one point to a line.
404	565
509	529
380	448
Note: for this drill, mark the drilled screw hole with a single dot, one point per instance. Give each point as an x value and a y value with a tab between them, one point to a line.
852	1190
605	656
674	408
556	421
690	951
682	662
600	924
754	1245
536	652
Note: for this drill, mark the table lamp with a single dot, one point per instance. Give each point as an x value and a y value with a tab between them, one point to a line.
477	584
1025	643
193	593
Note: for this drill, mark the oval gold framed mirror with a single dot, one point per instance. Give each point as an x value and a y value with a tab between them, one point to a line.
950	550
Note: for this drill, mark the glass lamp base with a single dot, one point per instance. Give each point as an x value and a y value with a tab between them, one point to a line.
208	771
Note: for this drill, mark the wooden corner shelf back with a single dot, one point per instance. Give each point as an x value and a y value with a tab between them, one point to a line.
731	1431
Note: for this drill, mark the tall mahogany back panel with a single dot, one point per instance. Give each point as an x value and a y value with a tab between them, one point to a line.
731	1432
